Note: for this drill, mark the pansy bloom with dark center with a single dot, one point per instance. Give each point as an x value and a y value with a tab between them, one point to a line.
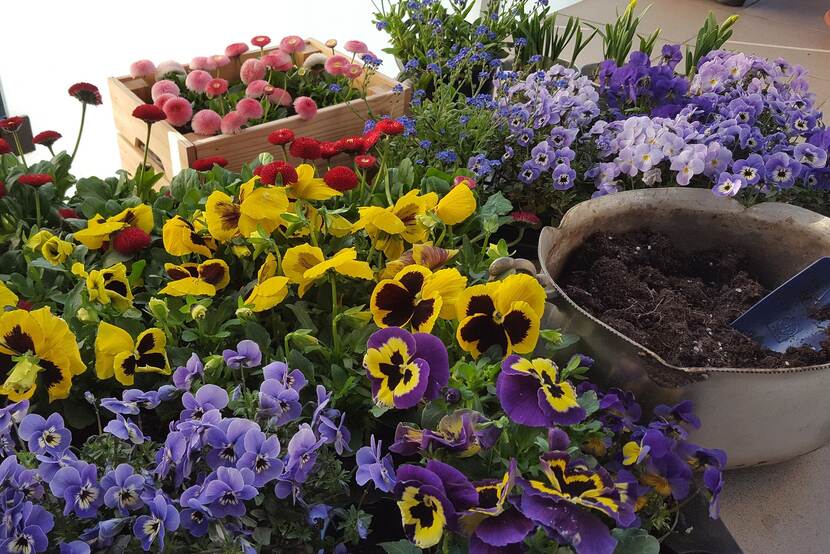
107	286
416	297
253	208
494	522
463	433
204	279
503	314
181	237
531	393
560	503
425	508
98	229
116	354
37	349
405	368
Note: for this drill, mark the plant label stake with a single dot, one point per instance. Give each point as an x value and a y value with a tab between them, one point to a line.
794	314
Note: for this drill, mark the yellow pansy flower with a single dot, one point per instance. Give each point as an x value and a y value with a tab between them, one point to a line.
107	286
309	187
37	349
255	207
116	354
182	237
270	289
457	205
305	264
99	229
37	240
390	228
7	297
203	279
56	251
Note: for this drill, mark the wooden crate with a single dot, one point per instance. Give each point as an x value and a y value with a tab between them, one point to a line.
172	151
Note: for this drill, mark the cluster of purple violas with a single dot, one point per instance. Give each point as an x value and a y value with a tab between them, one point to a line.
743	123
206	473
570	497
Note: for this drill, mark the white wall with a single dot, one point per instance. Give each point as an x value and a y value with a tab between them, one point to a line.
49	45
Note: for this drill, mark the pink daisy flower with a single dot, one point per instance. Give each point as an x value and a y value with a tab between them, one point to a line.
164	86
236	49
278	60
249	108
281	97
197	80
252	70
142	68
215	87
206	122
305	107
337	64
220	60
169	66
256	89
232	123
203	63
178	111
291	44
162	99
261	41
353	71
356	47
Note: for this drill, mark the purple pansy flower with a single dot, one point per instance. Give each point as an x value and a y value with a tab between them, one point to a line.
122	489
404	367
279	371
781	170
529	172
541	155
195	516
163	517
247	354
132	402
74	547
184	375
208	397
750	170
226	441
372	467
563	177
24	529
125	429
261	455
279	402
810	155
463	432
728	185
302	453
45	435
226	490
78	486
335	433
500	525
531	393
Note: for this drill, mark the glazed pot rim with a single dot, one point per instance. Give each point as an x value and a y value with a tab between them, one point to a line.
692	373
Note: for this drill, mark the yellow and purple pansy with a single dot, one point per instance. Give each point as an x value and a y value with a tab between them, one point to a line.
416	297
503	315
463	433
531	393
405	368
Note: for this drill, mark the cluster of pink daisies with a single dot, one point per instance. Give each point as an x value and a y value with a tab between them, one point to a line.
202	83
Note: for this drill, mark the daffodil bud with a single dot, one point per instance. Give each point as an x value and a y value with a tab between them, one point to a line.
198	311
244	313
158	308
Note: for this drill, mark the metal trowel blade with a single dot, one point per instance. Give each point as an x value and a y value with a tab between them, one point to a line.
792	315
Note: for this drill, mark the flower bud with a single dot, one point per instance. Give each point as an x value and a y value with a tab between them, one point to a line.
452	396
158	308
244	313
198	311
331	43
86	316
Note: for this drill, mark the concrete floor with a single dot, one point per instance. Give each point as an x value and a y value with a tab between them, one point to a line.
784	508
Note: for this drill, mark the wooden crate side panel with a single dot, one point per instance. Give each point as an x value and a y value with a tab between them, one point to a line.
131	158
330	124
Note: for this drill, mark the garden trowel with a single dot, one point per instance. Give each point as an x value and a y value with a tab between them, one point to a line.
795	314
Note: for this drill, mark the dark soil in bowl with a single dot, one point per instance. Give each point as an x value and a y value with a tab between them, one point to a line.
677	305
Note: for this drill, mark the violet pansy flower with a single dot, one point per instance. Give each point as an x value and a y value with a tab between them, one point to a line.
247	354
122	489
163	517
371	466
78	486
45	435
184	375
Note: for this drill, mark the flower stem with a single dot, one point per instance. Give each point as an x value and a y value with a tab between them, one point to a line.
334	337
80	132
140	184
37	207
20	149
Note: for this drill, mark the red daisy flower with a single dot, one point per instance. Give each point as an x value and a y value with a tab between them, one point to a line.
389	127
329	150
86	93
46	138
365	161
526	217
268	173
12	124
351	145
236	49
281	136
5	147
340	178
463	179
306	148
130	240
370	139
149	113
25	305
68	213
261	41
206	164
35	179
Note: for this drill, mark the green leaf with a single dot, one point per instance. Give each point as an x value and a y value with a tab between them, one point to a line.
262	535
136	272
184	182
400	547
496	205
378	411
635	541
405	173
589	402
